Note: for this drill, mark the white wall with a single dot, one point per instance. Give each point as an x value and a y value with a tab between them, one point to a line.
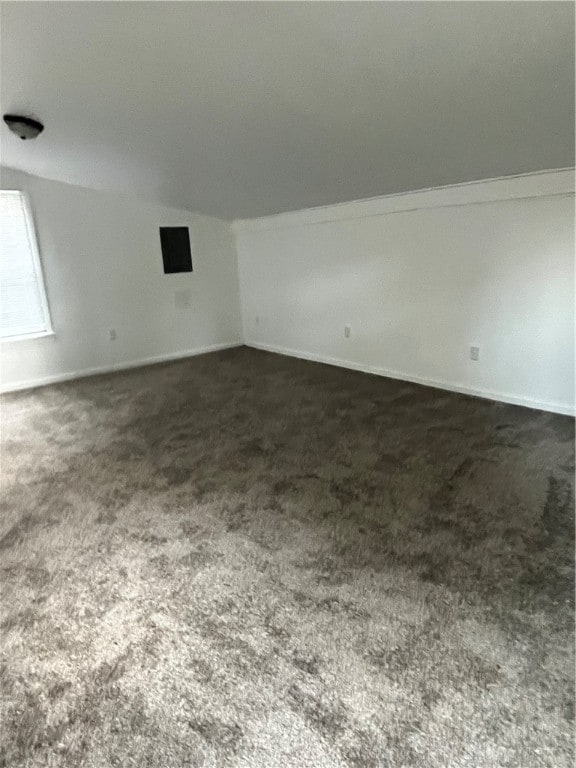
103	269
420	278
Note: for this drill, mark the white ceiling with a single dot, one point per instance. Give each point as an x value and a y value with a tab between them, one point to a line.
245	109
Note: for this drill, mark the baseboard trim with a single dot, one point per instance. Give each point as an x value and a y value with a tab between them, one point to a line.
560	408
124	366
499	397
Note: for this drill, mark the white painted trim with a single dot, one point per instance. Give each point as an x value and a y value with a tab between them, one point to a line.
124	366
32	239
47	330
27	337
562	408
541	184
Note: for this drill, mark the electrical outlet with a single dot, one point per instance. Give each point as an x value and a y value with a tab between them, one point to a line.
257	320
112	334
474	353
347	331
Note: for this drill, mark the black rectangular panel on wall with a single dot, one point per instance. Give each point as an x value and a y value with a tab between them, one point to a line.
176	255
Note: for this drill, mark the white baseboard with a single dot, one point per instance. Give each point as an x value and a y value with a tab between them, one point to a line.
502	397
122	366
527	402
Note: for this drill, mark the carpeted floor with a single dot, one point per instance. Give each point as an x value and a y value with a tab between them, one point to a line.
249	561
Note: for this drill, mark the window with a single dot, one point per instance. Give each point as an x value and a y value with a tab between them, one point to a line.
23	306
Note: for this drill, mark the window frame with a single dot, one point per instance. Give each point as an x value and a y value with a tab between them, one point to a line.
38	271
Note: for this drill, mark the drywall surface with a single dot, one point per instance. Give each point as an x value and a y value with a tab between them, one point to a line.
245	109
103	270
420	279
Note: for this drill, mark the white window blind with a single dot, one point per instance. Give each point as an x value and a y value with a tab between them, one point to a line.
23	305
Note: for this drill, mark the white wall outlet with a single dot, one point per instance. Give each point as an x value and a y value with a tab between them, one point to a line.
257	320
347	331
474	353
112	334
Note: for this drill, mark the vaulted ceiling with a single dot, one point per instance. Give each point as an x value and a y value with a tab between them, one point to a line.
245	109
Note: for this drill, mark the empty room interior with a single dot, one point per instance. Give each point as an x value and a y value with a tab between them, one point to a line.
287	375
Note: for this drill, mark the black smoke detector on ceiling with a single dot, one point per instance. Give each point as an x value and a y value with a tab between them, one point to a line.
25	127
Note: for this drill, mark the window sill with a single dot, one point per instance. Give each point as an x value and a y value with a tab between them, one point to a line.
27	337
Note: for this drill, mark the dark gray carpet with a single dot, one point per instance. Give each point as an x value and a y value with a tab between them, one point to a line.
249	561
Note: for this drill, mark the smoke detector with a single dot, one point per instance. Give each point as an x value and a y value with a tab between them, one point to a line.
25	127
